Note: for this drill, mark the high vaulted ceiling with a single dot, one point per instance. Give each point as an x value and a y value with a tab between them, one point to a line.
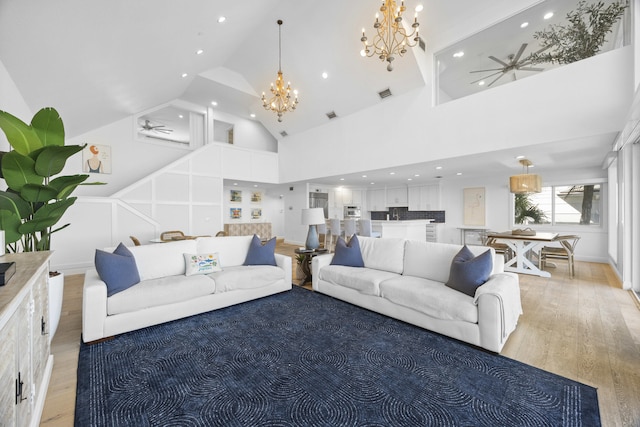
98	62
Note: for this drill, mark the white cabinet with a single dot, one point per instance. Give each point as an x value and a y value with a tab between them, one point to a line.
424	198
432	233
397	197
376	200
25	359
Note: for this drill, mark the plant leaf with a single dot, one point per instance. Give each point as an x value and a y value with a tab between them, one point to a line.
14	203
19	170
51	159
10	222
64	185
22	137
38	193
49	127
46	216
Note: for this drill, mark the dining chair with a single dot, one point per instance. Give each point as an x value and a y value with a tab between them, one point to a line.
168	236
221	234
322	231
500	248
335	231
135	240
563	252
366	229
349	228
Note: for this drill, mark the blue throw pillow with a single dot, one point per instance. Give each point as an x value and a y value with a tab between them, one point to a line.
118	269
468	272
260	254
348	254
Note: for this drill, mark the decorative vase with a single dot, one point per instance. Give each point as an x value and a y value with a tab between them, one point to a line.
56	292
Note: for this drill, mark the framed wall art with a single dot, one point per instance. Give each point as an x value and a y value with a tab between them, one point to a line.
235	196
256	213
235	213
474	206
256	196
96	158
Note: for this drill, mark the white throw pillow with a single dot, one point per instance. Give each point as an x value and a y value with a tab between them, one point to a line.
201	263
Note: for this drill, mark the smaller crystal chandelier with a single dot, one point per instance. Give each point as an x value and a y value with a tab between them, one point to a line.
391	38
281	101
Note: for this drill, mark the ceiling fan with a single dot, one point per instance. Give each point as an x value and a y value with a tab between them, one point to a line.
147	126
514	64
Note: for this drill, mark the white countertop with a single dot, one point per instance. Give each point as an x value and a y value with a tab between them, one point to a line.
392	222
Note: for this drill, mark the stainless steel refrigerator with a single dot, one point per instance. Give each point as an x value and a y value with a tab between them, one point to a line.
319	200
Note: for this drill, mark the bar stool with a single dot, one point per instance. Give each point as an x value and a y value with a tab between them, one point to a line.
366	229
322	231
349	228
334	232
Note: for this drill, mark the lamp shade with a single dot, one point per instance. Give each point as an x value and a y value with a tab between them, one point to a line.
525	183
313	216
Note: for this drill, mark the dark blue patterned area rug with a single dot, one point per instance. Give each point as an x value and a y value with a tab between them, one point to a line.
304	359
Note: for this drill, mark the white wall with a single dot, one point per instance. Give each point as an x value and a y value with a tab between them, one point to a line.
588	91
12	102
272	207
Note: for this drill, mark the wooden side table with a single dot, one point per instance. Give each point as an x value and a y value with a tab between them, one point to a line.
306	263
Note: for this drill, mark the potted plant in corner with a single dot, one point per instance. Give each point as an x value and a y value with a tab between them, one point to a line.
35	198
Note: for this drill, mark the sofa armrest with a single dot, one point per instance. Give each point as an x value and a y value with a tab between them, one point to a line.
499	308
284	262
316	264
94	306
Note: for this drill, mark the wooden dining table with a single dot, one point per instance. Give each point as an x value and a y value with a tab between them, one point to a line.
522	246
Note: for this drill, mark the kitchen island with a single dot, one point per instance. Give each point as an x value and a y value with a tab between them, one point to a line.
416	229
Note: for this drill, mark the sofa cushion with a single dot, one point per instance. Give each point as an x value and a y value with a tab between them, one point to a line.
201	263
158	292
246	277
118	269
364	280
430	297
348	254
469	272
231	249
261	254
432	261
162	259
383	254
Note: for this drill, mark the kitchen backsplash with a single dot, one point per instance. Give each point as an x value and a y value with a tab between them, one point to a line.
405	214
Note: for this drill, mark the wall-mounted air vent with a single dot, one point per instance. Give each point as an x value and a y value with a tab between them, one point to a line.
284	133
331	115
422	44
385	93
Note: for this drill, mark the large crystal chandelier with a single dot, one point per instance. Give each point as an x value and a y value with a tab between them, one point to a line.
391	37
281	101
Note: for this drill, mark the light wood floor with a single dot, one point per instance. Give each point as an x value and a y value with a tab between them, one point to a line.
586	328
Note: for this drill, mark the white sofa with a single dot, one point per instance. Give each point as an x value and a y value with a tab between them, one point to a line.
165	293
405	279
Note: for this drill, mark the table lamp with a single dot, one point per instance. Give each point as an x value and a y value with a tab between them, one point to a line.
312	217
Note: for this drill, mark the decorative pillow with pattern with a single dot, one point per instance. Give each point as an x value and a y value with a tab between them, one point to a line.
201	263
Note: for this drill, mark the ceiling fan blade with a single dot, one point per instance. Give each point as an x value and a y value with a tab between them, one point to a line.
485	71
498	61
497	78
519	54
514	78
530	69
486	77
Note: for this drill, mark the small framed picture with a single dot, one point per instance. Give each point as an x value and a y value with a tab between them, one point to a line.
235	213
256	213
96	158
256	196
235	196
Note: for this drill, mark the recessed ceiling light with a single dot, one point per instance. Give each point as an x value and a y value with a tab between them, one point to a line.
325	75
180	116
438	168
221	19
548	15
364	176
235	183
481	83
372	183
459	173
524	25
419	8
214	103
199	52
255	185
341	179
458	54
252	115
409	179
183	75
519	157
417	175
392	173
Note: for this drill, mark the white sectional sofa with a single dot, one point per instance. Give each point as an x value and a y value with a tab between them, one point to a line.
165	293
405	279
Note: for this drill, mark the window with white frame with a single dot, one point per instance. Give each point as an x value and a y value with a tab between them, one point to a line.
578	204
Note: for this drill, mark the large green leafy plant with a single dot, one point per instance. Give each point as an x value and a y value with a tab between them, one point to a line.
35	199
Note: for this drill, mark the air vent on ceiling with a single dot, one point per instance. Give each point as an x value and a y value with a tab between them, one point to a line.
385	93
331	115
422	44
284	133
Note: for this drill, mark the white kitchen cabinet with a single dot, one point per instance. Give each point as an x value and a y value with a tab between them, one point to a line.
397	197
376	200
25	357
424	198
